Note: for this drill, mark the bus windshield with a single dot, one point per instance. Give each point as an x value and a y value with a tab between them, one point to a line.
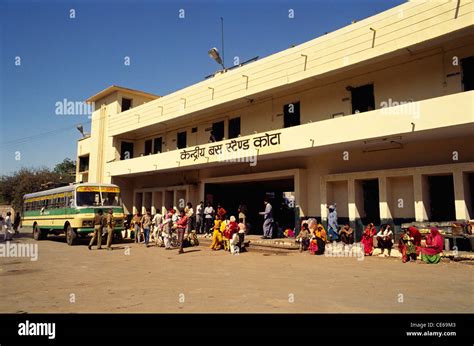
95	196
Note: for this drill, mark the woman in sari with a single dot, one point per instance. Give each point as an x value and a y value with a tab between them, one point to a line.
368	239
317	245
431	252
219	228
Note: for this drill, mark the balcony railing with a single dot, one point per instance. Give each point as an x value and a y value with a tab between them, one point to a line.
445	111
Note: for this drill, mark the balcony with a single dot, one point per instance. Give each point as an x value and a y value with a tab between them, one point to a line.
454	114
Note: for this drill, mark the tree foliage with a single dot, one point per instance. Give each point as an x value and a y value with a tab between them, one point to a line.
28	180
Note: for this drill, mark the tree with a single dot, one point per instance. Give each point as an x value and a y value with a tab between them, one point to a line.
66	170
28	180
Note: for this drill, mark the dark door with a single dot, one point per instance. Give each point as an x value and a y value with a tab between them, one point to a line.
468	73
363	98
371	201
291	114
441	189
126	150
181	140
218	130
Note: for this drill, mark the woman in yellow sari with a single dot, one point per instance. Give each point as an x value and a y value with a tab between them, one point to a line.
219	228
319	237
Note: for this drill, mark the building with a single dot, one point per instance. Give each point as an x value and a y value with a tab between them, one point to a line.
377	117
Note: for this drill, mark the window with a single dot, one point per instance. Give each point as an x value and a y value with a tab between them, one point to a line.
194	130
468	73
363	98
234	127
291	114
126	150
157	145
148	146
181	140
84	163
126	104
218	131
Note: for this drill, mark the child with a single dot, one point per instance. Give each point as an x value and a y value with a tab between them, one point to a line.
231	229
234	244
303	238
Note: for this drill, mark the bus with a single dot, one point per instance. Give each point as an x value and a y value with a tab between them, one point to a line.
70	210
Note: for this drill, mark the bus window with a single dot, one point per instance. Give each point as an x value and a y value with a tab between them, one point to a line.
87	199
110	199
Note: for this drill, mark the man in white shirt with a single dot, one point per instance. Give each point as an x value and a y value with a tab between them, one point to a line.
384	239
209	216
200	217
157	224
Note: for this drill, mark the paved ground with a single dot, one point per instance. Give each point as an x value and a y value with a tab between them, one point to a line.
133	278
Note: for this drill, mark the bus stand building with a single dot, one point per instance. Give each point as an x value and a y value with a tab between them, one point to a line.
377	117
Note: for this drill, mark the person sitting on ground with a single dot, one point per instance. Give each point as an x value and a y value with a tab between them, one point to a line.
407	247
431	252
304	237
317	244
289	233
368	239
347	234
234	244
384	239
217	234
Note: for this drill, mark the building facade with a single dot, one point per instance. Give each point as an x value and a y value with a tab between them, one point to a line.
377	117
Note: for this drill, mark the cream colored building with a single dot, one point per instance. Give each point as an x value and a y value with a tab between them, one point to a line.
377	117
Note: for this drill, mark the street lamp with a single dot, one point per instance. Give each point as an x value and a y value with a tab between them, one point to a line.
214	54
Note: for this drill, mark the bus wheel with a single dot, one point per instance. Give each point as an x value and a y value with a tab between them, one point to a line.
71	236
38	234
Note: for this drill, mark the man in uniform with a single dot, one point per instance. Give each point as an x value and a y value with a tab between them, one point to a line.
98	224
109	223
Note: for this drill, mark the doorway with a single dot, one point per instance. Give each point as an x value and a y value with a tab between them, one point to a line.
441	194
370	189
279	192
363	98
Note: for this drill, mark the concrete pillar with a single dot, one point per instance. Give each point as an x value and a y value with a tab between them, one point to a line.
384	209
351	199
323	200
301	192
421	192
460	205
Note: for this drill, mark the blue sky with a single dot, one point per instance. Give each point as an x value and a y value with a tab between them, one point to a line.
65	58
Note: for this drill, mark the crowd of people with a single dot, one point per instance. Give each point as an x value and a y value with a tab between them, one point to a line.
313	238
180	228
9	226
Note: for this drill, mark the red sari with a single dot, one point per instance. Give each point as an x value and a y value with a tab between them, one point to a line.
368	239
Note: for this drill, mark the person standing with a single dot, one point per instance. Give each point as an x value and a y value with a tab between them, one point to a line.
136	226
189	211
146	224
242	213
200	217
332	223
2	227
209	217
181	225
16	222
368	239
157	226
8	227
221	212
268	220
98	225
110	223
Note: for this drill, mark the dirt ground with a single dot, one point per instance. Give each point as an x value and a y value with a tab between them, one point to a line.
133	278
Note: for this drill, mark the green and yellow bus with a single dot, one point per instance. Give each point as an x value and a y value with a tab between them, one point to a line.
70	210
